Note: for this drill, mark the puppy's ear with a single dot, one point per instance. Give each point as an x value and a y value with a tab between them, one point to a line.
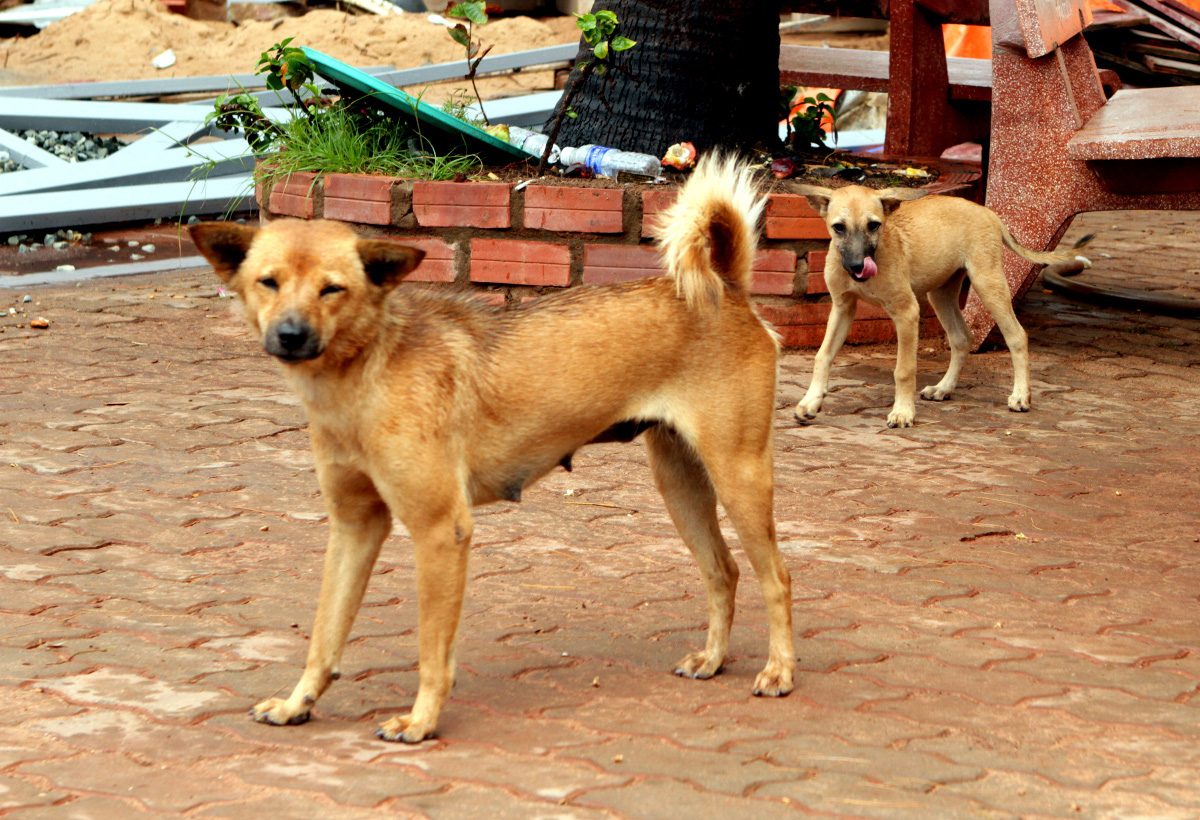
893	198
387	262
223	244
817	196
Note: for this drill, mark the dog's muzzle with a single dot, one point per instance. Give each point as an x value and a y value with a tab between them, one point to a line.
291	339
862	270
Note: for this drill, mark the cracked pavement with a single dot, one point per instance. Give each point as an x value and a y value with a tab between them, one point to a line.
996	613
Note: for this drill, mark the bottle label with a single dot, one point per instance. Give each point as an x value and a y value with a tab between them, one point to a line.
595	156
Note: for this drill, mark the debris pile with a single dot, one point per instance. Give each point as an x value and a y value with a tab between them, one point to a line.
1150	43
118	39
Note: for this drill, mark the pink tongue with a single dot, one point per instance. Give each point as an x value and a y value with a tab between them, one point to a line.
869	268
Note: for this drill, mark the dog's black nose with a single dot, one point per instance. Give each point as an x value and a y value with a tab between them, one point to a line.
292	334
855	267
292	339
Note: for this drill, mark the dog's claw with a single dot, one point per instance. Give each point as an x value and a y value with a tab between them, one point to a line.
773	683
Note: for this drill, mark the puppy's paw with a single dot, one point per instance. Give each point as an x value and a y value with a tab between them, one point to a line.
807	410
935	393
405	729
278	712
1018	404
699	666
901	418
773	682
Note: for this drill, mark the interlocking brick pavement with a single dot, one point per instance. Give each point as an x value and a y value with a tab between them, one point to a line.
996	614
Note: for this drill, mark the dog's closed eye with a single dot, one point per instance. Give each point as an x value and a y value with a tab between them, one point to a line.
269	283
329	290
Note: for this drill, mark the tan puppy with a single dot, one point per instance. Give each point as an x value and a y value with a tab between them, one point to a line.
424	403
891	252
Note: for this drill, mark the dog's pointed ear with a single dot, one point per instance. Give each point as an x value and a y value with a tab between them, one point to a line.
387	262
893	198
223	244
817	196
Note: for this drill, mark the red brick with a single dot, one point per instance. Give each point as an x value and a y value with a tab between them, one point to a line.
787	227
774	272
604	264
816	282
801	313
653	204
428	192
515	262
816	261
438	264
372	187
357	210
809	336
584	210
790	205
462	204
286	204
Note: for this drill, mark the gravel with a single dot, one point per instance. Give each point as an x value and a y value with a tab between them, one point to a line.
73	146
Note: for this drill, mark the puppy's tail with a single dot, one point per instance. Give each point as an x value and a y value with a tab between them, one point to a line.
708	238
1047	257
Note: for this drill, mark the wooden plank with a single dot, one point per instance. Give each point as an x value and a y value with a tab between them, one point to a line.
1186	20
1047	24
1143	123
1163	25
869	70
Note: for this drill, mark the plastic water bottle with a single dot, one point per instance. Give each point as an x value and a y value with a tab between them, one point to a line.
608	162
531	142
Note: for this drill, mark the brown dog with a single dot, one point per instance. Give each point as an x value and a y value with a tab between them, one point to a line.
422	404
892	252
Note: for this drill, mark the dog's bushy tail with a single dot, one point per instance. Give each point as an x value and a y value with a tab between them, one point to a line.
1047	257
709	236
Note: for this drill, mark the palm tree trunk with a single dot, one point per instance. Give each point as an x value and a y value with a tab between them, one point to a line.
702	71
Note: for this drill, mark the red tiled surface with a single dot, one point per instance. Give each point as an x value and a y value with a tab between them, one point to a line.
460	204
516	262
581	210
995	612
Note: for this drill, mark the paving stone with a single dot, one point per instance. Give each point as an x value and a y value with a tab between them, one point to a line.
477	801
165	699
157	786
93	808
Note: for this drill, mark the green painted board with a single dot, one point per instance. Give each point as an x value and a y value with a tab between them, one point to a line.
449	132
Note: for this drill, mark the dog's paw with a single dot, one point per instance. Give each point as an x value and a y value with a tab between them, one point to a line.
935	393
773	682
1018	404
405	729
277	712
699	666
900	418
807	411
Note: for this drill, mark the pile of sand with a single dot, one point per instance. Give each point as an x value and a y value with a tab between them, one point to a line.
117	39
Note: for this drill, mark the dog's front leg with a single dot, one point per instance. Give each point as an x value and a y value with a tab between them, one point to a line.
359	521
442	544
841	317
906	317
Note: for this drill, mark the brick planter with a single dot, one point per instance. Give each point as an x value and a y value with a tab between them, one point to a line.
509	242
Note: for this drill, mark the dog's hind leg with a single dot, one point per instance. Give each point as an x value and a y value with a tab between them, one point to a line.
359	521
841	317
441	525
992	288
742	476
945	305
683	481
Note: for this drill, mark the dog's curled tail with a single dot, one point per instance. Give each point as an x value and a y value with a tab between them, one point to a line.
1047	257
709	236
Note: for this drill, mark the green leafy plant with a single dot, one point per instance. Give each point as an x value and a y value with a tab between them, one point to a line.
804	132
458	105
598	32
321	135
475	13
